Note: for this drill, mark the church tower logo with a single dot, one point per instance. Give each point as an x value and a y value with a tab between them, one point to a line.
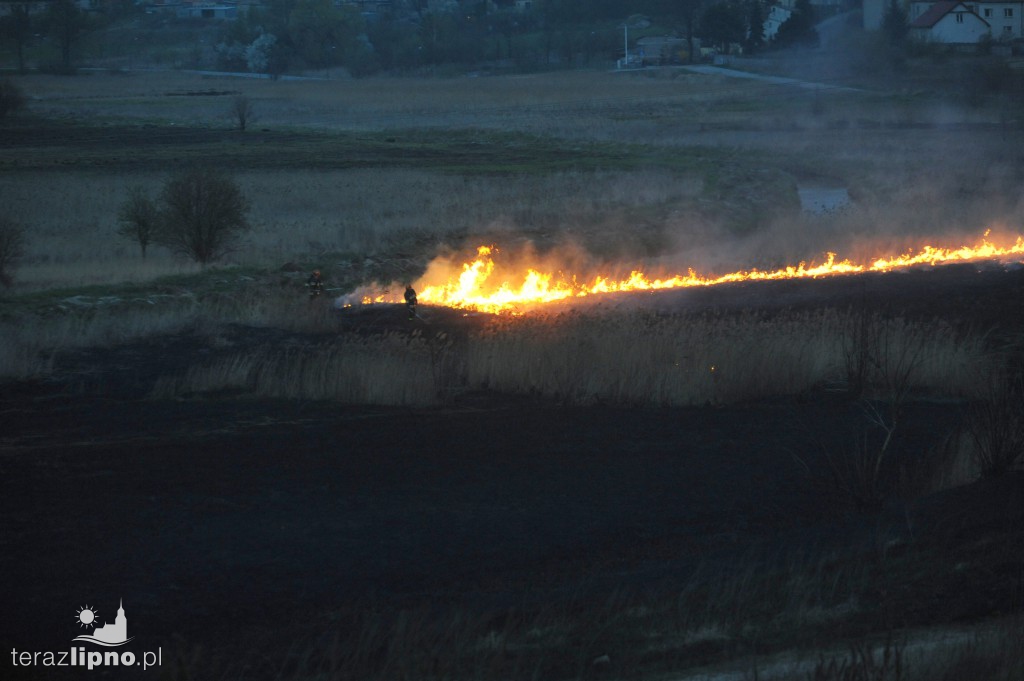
108	634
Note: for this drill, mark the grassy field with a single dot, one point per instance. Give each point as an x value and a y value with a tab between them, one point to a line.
370	180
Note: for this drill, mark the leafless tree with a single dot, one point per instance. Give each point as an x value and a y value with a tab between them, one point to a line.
139	219
202	214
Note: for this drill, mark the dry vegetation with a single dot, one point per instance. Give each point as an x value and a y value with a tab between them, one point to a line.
880	148
739	614
78	287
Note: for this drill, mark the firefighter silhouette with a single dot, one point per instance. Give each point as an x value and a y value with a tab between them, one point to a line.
315	284
410	300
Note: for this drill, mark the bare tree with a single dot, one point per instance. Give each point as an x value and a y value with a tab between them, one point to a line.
12	248
203	213
139	219
242	110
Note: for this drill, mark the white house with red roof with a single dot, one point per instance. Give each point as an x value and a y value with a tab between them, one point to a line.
948	21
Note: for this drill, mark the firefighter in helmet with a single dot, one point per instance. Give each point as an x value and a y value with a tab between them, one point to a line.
410	300
315	284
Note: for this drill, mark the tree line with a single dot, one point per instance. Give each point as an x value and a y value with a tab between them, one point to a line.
279	36
287	35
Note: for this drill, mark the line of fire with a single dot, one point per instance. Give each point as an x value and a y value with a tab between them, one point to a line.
478	286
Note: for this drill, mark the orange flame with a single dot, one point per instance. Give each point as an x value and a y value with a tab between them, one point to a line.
474	289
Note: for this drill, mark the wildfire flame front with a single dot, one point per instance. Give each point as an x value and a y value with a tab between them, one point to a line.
476	288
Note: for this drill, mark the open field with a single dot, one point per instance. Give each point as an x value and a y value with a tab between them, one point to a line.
636	165
788	477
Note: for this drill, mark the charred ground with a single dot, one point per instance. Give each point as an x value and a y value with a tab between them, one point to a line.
261	537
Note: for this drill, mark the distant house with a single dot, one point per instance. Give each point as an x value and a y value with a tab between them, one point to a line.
948	21
1005	18
952	22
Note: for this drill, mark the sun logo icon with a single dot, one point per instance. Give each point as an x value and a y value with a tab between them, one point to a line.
87	616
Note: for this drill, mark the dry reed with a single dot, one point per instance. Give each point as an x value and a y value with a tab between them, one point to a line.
385	370
646	359
637	358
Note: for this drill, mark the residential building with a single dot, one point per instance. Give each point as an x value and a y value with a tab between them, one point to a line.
953	22
948	21
1004	18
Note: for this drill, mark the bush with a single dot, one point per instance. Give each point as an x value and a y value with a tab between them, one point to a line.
996	424
203	213
242	111
12	248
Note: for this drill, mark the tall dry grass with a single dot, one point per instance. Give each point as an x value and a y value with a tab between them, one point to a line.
392	369
575	358
308	215
29	345
746	621
31	342
672	360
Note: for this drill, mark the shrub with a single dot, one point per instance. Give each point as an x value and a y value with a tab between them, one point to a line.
996	424
242	111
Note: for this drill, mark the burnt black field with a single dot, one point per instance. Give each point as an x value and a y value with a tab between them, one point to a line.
247	537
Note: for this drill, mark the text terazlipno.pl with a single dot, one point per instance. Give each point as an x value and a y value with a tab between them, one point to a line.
89	659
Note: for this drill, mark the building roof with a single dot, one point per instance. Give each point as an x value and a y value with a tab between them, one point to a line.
939	10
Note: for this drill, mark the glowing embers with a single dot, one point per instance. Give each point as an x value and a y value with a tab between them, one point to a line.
482	285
